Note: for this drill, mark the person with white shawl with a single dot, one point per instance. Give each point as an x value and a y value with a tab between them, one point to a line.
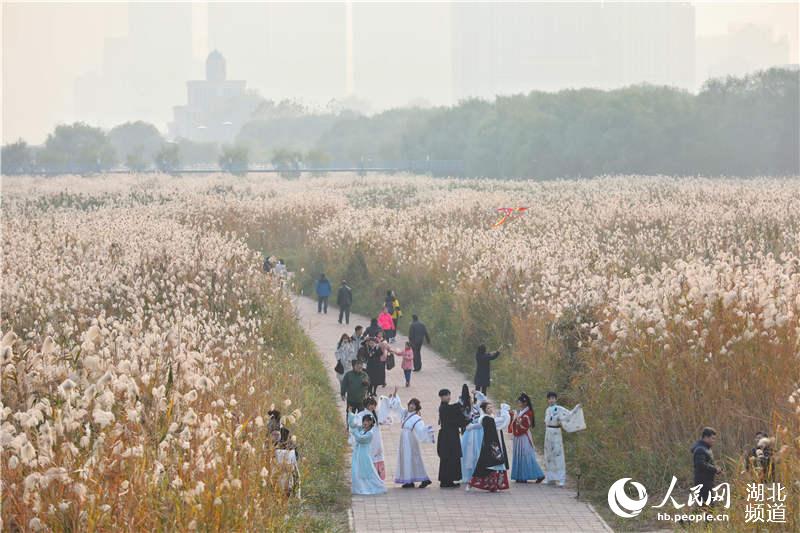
376	444
364	477
410	466
555	418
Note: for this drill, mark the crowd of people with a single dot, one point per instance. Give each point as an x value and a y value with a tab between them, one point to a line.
470	444
471	441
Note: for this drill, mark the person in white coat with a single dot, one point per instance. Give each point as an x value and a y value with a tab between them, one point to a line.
410	466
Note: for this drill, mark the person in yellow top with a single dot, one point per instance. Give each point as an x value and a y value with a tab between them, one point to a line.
393	306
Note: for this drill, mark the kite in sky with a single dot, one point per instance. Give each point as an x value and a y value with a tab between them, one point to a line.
509	213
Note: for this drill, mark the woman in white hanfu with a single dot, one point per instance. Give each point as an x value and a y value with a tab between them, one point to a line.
556	417
410	467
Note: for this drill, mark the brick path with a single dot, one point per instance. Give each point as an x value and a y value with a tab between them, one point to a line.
523	508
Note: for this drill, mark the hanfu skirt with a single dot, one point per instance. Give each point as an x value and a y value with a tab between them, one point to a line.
525	467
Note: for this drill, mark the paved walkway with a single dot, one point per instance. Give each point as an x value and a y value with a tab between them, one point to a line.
523	508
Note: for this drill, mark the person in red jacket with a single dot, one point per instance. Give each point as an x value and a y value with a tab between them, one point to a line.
525	467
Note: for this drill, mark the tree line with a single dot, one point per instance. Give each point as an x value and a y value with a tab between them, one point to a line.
741	126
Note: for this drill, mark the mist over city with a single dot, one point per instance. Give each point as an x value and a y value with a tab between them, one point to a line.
286	82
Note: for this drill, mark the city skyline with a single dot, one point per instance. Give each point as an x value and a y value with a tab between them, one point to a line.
393	55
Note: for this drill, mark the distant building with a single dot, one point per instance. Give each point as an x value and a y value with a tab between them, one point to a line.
285	50
743	50
140	77
216	107
508	48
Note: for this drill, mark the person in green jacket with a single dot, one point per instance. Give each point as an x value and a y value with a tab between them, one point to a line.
354	386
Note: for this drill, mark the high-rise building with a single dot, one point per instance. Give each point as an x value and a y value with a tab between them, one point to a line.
142	74
216	107
506	48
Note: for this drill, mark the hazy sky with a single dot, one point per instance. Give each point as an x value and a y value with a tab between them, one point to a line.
47	46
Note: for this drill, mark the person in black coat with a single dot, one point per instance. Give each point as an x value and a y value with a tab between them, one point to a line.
376	368
344	299
373	329
417	334
482	369
448	443
704	468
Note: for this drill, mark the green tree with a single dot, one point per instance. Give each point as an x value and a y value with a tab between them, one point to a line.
234	159
17	158
317	159
288	162
136	143
168	158
77	148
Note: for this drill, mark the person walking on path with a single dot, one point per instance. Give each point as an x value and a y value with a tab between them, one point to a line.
410	466
323	288
387	324
364	477
448	444
354	386
345	354
344	300
704	468
525	467
417	334
373	329
396	313
482	369
406	362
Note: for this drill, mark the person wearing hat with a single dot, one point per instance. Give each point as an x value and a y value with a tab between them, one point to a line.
525	465
448	445
344	299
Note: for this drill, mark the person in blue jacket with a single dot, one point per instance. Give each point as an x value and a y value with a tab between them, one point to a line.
323	288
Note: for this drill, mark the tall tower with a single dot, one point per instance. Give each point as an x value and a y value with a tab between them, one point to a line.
215	67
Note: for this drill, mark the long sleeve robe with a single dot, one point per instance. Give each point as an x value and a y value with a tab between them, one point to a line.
448	445
364	477
410	466
555	467
376	445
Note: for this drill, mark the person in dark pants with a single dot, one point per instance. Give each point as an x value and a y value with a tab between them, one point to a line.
417	334
354	386
448	443
483	377
704	468
344	299
323	288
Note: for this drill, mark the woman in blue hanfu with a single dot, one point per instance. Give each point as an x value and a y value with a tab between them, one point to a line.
365	479
472	437
413	429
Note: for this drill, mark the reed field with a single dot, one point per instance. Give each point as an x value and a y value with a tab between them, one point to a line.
142	343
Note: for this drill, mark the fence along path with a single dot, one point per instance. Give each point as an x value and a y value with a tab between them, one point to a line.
523	508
